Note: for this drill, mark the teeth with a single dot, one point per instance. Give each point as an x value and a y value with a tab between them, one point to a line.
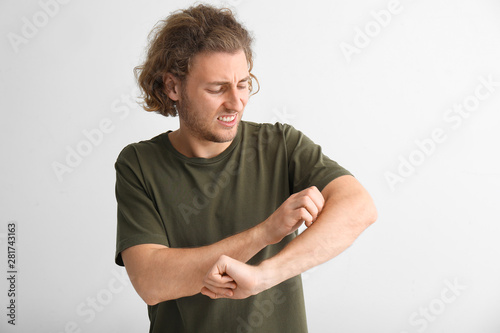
227	119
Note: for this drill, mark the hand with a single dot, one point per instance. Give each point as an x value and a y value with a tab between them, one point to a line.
304	206
230	278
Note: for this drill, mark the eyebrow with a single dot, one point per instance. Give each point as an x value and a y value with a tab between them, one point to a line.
222	83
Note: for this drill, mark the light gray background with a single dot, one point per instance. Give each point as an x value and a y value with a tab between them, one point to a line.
438	226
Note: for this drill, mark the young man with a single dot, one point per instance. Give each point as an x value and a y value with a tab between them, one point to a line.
208	213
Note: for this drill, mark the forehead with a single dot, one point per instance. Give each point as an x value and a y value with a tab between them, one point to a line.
218	66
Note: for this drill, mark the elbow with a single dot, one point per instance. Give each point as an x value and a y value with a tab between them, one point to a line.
152	294
371	217
368	212
145	291
149	299
363	212
149	282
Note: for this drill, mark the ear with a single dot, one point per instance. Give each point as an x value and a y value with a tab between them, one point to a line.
172	86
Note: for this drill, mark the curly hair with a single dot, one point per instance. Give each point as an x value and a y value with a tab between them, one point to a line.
174	42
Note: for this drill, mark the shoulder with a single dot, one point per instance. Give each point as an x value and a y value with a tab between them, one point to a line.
250	125
272	135
142	149
267	129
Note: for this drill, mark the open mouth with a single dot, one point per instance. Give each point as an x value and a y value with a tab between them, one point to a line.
227	119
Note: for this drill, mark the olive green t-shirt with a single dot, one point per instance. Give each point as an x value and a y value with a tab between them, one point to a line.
167	198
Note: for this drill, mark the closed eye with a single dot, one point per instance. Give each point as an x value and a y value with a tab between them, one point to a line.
218	91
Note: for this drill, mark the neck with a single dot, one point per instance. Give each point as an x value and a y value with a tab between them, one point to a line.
191	146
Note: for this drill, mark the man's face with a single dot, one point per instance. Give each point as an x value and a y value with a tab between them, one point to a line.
214	96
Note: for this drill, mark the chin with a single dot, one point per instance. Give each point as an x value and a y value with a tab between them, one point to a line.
224	135
223	138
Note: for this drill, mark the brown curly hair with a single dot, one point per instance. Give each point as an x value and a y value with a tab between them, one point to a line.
174	42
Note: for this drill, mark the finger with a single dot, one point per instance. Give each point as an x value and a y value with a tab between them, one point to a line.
312	210
217	276
312	199
303	215
308	223
316	197
219	279
298	224
217	293
217	283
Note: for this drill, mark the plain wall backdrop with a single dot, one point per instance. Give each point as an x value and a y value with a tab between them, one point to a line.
405	94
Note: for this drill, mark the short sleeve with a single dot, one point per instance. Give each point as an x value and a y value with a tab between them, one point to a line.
307	164
138	221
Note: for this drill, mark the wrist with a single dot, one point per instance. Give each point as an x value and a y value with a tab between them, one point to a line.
269	275
262	234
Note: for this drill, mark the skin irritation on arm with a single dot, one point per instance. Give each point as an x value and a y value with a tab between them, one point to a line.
348	210
217	86
159	273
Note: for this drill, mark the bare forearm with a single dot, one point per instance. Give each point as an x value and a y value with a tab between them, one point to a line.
344	217
343	210
159	273
170	273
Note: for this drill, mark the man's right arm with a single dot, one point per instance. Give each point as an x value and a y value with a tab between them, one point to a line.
159	273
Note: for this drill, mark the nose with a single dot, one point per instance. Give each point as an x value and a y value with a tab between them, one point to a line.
236	99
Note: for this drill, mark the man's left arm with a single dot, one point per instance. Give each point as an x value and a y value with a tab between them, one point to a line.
348	210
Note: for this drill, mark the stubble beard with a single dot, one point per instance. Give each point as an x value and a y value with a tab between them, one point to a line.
196	126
